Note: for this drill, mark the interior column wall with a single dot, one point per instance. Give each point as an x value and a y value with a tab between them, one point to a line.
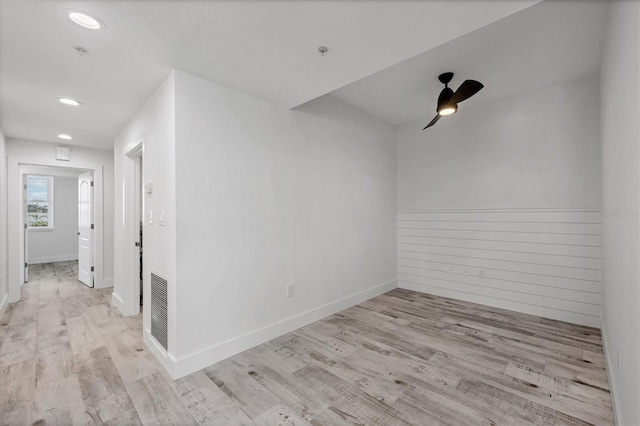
621	204
153	126
4	238
268	198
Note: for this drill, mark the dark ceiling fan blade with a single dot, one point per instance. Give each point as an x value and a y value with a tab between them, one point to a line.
466	90
434	121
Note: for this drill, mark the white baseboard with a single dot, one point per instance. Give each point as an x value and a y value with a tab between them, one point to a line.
213	354
51	259
608	360
117	302
3	303
167	361
556	314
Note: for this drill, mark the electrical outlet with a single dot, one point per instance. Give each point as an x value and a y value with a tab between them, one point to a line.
289	291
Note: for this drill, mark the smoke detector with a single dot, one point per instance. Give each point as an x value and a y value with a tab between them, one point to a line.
81	50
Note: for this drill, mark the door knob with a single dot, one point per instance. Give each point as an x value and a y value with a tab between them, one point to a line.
78	233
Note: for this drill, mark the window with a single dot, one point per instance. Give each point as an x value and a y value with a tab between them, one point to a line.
39	201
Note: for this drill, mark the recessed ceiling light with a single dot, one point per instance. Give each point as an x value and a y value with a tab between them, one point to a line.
68	101
65	137
85	20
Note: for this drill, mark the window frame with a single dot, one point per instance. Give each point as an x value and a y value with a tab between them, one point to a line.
49	201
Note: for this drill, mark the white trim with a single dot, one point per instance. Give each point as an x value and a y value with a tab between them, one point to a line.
55	171
188	364
130	253
50	259
106	282
134	150
167	361
3	303
116	301
509	305
608	360
39	229
508	210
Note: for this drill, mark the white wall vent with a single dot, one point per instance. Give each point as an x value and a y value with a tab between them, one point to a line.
159	309
63	153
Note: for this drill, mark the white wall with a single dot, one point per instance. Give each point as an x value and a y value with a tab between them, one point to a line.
621	197
268	197
154	126
4	263
61	243
42	153
500	204
537	150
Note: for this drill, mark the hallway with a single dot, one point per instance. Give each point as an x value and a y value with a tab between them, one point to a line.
66	354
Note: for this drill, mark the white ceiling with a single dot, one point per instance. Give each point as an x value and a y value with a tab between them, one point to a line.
264	48
551	42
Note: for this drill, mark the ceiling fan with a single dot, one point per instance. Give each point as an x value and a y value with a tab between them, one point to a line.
448	100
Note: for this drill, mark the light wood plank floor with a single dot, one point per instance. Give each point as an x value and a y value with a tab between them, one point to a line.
67	357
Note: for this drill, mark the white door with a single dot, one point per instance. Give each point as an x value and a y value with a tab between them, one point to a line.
85	228
25	206
26	254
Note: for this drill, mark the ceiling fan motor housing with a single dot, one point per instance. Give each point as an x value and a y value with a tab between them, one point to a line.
444	97
445	78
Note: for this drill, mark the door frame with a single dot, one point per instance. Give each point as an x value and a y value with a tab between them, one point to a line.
64	172
130	303
15	166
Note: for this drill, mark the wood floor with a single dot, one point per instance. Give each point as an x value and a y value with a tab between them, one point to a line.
67	357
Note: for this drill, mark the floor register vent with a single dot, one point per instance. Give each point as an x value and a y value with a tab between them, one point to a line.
159	309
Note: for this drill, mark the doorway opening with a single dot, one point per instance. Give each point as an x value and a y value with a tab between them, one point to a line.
16	168
134	231
139	210
58	220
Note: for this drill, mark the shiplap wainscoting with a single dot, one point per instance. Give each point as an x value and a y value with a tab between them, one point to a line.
545	262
